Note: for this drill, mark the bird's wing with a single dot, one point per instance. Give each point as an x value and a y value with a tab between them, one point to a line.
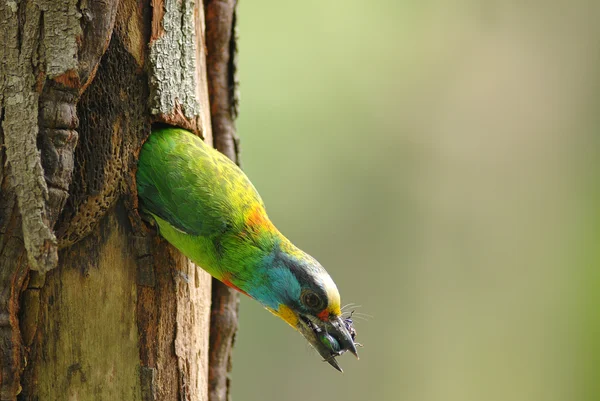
190	185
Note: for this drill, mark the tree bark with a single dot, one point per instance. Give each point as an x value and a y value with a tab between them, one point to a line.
93	304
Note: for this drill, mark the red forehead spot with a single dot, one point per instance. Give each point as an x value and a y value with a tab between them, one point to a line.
324	315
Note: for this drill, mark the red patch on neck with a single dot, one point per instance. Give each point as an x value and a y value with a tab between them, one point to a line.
229	284
324	315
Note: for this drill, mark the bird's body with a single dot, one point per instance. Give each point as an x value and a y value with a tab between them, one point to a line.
205	206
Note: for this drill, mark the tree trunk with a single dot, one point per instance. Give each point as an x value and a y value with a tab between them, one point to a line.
93	304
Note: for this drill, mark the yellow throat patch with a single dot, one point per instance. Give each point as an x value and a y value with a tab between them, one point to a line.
286	314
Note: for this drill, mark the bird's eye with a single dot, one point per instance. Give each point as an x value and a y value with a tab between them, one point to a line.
311	300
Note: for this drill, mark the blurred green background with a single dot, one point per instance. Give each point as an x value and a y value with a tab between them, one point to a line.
441	159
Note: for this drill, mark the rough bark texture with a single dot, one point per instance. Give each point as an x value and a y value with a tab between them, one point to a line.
39	85
123	315
20	126
173	61
221	45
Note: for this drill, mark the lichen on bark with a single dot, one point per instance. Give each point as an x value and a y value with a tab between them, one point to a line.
20	126
172	60
61	29
40	42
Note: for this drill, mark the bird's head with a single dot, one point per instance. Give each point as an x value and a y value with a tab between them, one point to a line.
297	288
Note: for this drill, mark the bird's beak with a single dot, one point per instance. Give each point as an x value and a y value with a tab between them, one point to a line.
330	338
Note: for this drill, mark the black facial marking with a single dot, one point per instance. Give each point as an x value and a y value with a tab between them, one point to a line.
299	269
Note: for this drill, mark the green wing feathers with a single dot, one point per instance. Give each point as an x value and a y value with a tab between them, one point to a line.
192	186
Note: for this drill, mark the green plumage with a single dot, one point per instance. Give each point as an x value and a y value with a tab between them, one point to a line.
201	203
205	206
195	188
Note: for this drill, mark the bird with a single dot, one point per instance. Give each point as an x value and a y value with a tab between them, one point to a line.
206	207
